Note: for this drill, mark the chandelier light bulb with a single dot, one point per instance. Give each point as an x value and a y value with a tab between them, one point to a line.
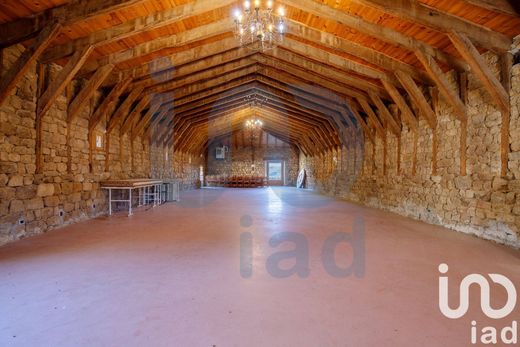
257	26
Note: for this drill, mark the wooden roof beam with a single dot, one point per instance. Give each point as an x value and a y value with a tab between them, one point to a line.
441	21
63	79
394	126
75	11
375	30
481	70
123	109
501	6
108	103
88	91
182	38
418	98
28	57
368	54
373	117
407	113
134	27
442	83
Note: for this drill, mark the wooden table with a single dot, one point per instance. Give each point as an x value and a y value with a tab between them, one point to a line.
149	191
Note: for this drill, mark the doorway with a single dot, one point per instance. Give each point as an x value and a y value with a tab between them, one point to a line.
275	172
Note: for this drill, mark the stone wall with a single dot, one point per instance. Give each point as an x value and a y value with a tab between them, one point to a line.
67	188
481	203
240	159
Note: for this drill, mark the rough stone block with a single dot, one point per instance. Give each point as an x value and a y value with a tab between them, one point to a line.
34	204
45	189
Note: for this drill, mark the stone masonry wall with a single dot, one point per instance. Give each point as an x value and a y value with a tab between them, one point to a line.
67	189
481	203
239	160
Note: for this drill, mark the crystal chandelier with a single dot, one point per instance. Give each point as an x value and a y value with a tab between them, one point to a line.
259	28
255	101
254	124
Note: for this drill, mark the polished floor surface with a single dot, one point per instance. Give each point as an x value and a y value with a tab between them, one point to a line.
173	276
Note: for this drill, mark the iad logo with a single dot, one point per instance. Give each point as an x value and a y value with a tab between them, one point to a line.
508	335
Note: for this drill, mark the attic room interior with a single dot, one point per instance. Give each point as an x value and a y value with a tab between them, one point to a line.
259	172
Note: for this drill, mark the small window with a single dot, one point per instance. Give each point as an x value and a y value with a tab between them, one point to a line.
98	141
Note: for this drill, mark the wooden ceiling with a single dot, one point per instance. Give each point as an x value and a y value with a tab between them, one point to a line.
171	70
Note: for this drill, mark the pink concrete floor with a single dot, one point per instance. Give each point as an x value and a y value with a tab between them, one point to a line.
170	277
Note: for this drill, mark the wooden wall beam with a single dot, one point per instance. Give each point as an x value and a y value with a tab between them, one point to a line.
134	116
109	102
123	110
88	91
418	98
26	59
135	26
394	126
441	21
75	11
372	29
481	70
63	79
437	75
372	116
407	113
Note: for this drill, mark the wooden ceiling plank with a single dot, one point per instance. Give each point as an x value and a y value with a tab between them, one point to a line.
501	6
134	27
27	58
481	70
408	114
88	91
75	11
442	83
63	79
182	38
418	97
441	21
372	29
368	54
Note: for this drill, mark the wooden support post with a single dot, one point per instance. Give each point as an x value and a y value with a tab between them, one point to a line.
373	169
506	62
398	155
26	59
42	84
131	154
107	152
385	148
463	81
435	142
414	158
